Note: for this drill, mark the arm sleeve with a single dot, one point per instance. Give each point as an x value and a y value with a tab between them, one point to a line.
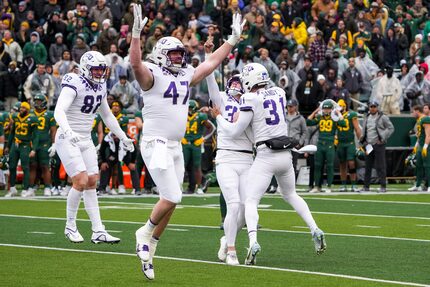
110	120
237	128
213	90
65	100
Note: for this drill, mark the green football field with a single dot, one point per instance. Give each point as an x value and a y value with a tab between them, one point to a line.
373	240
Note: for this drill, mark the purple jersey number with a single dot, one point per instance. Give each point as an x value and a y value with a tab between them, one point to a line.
172	92
230	115
270	105
88	106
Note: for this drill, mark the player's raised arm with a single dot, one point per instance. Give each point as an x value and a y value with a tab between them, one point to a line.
143	75
213	89
211	63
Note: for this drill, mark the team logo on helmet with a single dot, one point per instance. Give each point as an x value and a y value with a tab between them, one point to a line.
93	67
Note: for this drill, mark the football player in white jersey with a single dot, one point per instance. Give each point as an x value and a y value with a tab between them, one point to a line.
264	109
233	161
165	84
80	98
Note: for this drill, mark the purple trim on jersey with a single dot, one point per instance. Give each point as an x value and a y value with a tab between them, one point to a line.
70	86
233	98
246	108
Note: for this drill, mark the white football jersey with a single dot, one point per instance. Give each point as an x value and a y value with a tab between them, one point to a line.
82	112
165	107
268	107
230	107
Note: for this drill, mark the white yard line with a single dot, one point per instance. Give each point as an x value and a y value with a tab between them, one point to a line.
40	232
423	225
262	210
178	229
368	226
373	201
219	263
301	227
217	227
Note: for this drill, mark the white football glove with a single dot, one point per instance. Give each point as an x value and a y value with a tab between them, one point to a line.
236	29
128	145
138	22
51	150
72	137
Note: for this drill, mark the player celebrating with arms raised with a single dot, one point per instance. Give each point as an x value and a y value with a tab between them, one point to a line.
165	84
264	109
233	161
80	98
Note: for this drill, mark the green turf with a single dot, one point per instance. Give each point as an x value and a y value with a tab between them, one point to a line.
82	269
194	235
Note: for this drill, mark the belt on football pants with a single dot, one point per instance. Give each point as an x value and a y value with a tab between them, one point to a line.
236	150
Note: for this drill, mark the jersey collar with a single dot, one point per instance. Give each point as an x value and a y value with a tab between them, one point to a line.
39	114
24	118
190	118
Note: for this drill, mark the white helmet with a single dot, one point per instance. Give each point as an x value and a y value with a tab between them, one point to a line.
91	60
254	74
161	50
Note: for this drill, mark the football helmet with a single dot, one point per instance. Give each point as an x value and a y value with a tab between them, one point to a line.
93	67
360	153
193	106
342	104
411	160
254	74
16	107
4	162
160	53
327	105
233	91
43	101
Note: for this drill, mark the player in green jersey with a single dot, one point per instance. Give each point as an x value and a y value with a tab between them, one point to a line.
193	141
46	129
421	147
346	146
22	145
328	122
417	113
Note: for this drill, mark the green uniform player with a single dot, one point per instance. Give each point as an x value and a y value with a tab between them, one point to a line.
346	146
193	141
325	147
423	143
116	107
46	129
422	164
417	112
22	144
